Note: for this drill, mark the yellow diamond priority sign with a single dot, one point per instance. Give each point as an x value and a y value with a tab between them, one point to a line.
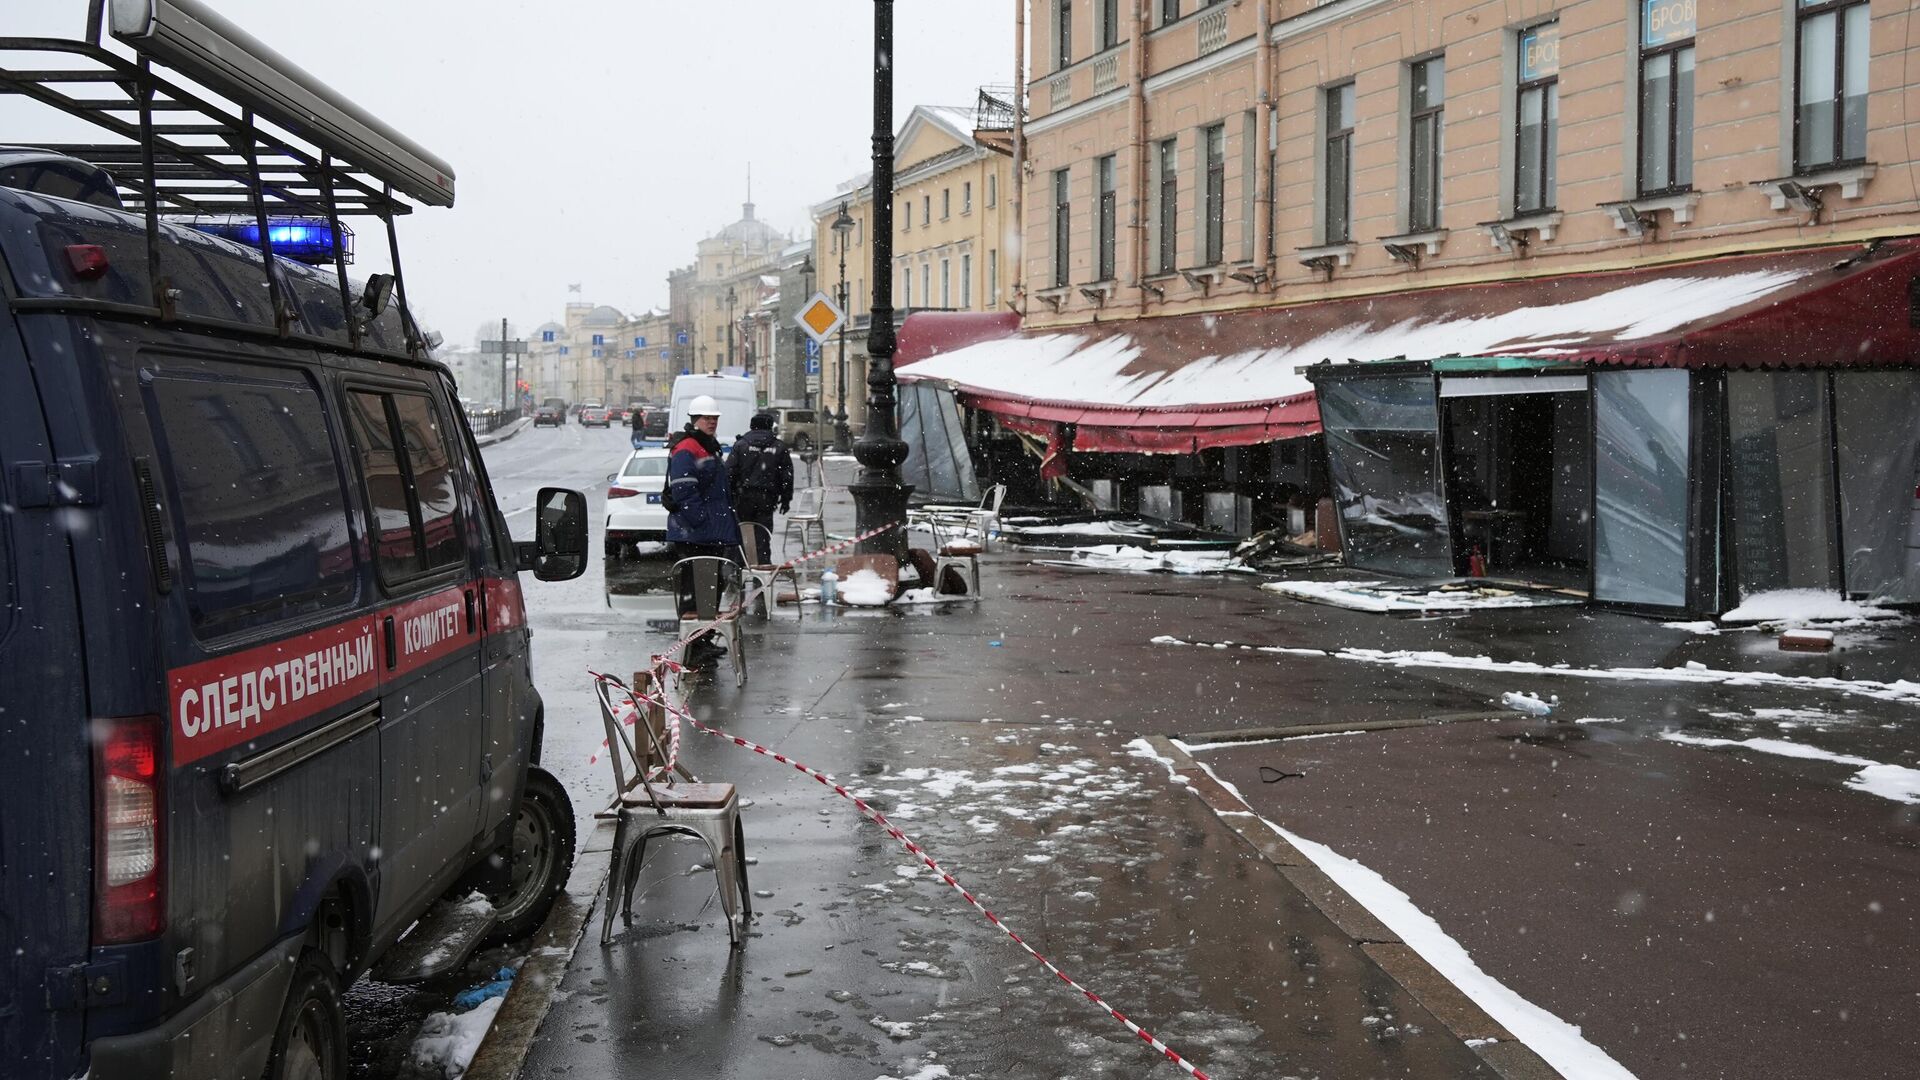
820	317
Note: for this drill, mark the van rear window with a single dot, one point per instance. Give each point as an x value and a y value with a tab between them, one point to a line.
258	506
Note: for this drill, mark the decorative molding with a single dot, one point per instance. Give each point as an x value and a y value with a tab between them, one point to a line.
1429	242
1850	179
1327	255
1106	73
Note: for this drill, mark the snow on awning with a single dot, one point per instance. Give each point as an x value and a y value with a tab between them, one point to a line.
1164	385
1182	383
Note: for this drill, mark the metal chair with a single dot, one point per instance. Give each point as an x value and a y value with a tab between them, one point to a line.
701	587
985	519
644	808
805	517
756	547
959	556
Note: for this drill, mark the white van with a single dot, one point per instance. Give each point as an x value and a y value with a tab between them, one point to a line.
732	393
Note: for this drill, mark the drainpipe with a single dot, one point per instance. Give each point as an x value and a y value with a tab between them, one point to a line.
1137	127
1263	165
1016	250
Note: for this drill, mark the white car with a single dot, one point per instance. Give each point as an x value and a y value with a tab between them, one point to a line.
636	522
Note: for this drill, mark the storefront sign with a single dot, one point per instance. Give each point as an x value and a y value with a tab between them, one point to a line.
1663	22
1540	52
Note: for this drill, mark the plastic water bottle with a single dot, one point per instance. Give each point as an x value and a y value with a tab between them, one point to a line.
829	587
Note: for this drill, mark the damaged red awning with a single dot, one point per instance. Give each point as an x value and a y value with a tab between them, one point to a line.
1176	384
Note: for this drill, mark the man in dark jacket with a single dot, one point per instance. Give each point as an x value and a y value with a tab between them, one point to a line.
700	520
760	475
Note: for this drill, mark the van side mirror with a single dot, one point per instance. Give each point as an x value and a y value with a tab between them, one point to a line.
558	551
377	294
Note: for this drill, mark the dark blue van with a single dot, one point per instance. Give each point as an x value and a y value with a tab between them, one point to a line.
265	703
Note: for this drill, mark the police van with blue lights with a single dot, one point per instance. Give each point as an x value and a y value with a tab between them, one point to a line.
265	703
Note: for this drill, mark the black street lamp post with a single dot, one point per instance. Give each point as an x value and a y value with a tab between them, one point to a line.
879	496
731	299
843	435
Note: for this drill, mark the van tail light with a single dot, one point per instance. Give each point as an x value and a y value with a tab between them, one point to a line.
128	813
621	493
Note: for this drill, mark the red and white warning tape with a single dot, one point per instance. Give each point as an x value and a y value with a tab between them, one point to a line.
676	714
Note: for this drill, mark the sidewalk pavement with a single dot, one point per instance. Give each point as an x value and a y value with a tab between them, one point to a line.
998	735
505	433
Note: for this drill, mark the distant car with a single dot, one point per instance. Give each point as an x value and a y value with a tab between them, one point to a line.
799	429
594	414
653	428
552	415
558	405
616	414
635	517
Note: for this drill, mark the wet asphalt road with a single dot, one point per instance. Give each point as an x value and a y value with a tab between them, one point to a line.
1697	912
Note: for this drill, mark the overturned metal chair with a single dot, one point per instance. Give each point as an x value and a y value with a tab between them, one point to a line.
644	808
706	594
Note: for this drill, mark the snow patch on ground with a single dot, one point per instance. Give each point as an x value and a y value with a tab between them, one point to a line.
1895	782
1801	606
895	1029
864	588
448	1041
1704	626
1531	704
1120	557
1904	691
1141	748
1559	1042
929	1072
1384	598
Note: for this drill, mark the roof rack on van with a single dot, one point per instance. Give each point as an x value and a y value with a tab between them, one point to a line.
242	133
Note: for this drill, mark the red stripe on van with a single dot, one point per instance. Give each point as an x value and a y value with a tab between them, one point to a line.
220	703
505	608
429	628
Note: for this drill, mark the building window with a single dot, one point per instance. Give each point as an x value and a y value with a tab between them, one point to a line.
966	282
926	209
946	203
1169	11
1428	92
926	284
1536	119
1109	23
1062	233
1109	212
1062	33
1830	121
1214	139
966	197
946	283
1169	205
1666	96
906	287
906	215
993	276
993	190
1338	220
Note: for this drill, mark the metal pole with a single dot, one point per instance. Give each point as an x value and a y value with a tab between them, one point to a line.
879	497
842	434
503	366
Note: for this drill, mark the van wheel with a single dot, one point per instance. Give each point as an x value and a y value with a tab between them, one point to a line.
311	1041
542	857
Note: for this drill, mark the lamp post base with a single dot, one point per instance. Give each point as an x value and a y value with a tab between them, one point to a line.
842	435
876	502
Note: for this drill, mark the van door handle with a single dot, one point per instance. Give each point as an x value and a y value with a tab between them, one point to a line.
470	611
388	622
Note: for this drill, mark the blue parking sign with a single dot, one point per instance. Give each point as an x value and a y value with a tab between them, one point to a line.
680	338
666	354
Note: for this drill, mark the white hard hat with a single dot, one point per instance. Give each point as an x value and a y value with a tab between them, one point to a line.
704	405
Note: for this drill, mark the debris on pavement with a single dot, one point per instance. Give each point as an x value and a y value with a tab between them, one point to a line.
1805	607
1530	704
1121	557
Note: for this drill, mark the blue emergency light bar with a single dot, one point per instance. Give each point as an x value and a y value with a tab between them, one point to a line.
307	240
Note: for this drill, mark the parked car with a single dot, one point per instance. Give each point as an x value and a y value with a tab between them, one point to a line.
800	429
264	684
550	415
594	414
634	514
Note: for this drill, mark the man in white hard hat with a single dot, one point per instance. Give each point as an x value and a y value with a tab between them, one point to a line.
700	517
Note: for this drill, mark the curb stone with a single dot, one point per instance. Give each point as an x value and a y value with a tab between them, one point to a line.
504	1049
1505	1055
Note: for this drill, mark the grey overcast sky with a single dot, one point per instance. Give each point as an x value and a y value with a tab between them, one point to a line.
595	141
